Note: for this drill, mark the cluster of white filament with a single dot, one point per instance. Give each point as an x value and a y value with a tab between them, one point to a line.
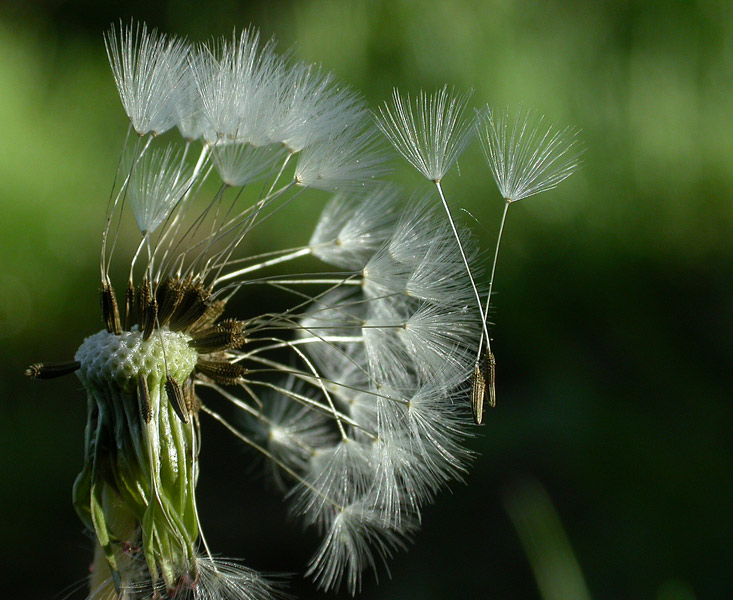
525	156
362	423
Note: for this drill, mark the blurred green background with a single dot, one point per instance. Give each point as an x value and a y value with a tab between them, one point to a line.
614	305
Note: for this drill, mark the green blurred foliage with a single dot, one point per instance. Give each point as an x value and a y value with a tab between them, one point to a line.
614	306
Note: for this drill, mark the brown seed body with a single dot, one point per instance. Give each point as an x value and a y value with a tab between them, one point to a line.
221	371
478	394
110	310
52	370
175	397
223	336
143	399
168	295
484	380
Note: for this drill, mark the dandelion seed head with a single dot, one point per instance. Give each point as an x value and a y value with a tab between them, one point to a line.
353	397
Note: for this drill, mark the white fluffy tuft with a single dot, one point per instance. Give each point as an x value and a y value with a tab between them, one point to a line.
432	134
525	155
149	71
158	181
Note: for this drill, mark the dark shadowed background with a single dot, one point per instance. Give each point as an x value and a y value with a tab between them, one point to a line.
614	304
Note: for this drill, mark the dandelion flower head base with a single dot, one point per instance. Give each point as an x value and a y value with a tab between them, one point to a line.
122	359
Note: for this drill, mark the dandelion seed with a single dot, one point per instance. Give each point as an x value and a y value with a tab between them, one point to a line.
431	138
526	158
236	82
216	579
483	382
188	107
315	108
357	537
351	229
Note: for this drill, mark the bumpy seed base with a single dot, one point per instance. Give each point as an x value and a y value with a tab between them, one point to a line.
120	360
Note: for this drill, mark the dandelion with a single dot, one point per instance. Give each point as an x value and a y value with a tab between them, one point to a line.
353	397
526	158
